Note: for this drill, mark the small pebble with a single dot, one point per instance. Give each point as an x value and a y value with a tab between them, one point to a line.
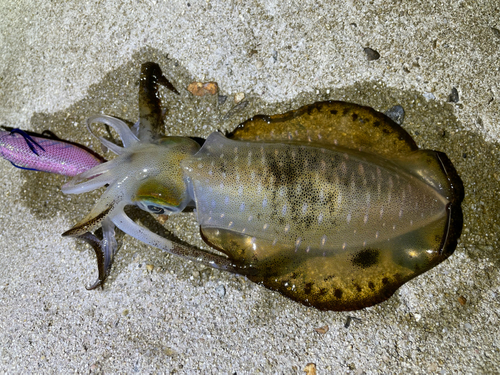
150	267
349	320
221	291
221	99
371	54
203	88
162	219
239	97
322	330
429	96
396	114
453	97
462	300
310	369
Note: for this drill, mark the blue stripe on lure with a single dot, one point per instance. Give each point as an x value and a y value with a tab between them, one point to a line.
333	204
31	143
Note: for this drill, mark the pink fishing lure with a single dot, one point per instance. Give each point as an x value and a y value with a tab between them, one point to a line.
45	155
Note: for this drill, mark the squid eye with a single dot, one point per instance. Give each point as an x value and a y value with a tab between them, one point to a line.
155	209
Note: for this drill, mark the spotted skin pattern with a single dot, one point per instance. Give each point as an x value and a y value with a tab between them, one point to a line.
327	226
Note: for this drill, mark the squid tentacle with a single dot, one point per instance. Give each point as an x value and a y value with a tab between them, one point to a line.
150	114
106	207
105	250
127	136
92	179
143	234
74	187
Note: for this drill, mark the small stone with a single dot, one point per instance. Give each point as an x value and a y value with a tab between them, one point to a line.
371	54
170	352
275	56
239	97
162	219
322	330
429	96
203	88
453	97
349	320
462	300
150	267
204	276
396	114
221	99
310	369
95	367
221	291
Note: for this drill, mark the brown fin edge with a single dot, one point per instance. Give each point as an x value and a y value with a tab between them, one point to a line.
455	218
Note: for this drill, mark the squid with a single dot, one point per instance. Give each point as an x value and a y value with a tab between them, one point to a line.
332	205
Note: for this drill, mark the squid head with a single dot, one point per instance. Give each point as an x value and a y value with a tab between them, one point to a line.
146	174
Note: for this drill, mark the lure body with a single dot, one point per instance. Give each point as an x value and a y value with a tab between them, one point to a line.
45	154
333	204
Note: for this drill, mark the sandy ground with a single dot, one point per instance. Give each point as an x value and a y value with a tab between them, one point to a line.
61	62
